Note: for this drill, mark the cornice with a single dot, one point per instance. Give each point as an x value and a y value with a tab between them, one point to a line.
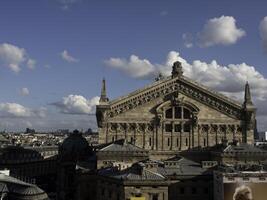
169	85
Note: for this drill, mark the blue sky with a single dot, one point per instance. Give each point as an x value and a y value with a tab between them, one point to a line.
54	53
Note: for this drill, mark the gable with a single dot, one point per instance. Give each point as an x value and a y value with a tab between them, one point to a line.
157	91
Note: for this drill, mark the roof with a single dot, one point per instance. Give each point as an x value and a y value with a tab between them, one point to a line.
181	166
20	189
134	173
153	170
121	146
242	148
3	139
184	80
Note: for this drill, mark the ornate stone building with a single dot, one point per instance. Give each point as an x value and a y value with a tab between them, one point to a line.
175	114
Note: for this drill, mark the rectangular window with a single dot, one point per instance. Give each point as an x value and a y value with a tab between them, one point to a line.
155	197
168	114
186	114
186	127
168	141
168	127
178	112
177	128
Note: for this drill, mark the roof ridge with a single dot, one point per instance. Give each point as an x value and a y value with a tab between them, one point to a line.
208	89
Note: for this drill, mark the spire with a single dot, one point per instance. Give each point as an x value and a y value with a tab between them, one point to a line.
247	97
103	97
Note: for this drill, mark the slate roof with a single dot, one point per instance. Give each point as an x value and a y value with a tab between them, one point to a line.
181	166
20	189
121	145
4	139
152	170
134	173
243	148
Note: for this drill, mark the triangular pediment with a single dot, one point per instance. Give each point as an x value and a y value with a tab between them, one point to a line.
171	85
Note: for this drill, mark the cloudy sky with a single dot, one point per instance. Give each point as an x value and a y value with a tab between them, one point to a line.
54	54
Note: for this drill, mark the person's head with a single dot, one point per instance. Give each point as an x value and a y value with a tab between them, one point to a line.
243	192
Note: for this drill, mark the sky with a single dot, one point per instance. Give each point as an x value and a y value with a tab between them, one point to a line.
55	53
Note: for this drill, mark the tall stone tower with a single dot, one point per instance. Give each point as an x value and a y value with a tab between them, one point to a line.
249	117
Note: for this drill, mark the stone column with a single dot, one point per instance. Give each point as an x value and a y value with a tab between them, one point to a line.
125	131
234	133
162	136
182	140
155	136
106	132
191	136
144	135
216	134
116	131
135	127
172	133
199	132
208	135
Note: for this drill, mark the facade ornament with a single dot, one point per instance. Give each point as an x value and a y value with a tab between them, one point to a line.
103	98
177	70
159	77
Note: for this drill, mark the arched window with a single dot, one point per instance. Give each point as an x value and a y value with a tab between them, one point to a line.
187	114
178	119
168	113
178	113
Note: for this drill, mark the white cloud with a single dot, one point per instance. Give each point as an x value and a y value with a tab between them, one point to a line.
13	57
77	104
228	79
220	31
24	91
135	67
31	64
263	32
188	40
67	57
12	110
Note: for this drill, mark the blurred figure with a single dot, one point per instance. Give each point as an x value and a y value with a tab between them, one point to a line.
243	193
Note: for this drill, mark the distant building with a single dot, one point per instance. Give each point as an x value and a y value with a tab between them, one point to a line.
12	188
262	136
28	130
175	114
30	166
174	139
73	154
4	141
120	154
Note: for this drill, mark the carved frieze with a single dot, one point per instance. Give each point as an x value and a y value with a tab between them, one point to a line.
173	85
